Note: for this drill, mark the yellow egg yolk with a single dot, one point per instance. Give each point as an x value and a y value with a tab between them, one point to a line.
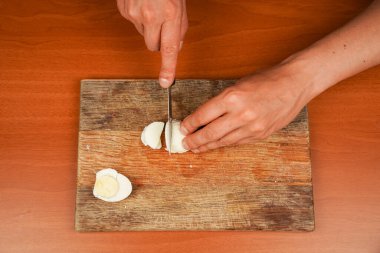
106	186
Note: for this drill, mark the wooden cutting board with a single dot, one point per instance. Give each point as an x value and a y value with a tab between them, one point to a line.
262	186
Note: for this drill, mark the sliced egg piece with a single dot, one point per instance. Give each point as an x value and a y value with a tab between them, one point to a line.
111	186
151	135
177	137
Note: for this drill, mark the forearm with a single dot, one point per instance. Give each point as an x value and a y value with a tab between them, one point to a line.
261	104
345	52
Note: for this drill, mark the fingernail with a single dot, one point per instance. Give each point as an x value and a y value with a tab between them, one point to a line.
184	144
183	130
196	151
164	82
181	45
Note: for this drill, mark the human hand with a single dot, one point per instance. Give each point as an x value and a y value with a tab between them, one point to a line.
251	110
163	23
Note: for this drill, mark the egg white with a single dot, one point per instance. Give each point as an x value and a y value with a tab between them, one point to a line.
151	135
124	189
177	137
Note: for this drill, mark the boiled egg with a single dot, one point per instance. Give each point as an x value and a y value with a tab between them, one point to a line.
151	136
176	138
111	186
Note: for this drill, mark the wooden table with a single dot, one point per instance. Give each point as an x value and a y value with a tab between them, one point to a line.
47	47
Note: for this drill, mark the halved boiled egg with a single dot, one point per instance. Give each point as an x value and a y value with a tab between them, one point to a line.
151	136
176	138
111	186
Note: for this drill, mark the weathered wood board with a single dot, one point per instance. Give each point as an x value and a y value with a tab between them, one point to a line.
262	186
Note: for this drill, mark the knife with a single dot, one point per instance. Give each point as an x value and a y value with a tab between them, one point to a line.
170	118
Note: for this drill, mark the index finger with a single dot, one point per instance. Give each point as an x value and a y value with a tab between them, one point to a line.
170	40
209	111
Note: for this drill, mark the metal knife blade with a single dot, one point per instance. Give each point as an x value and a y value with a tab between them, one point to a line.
170	118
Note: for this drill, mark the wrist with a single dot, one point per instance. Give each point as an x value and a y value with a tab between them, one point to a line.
309	74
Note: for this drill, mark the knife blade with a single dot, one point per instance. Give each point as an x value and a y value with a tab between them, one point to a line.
170	118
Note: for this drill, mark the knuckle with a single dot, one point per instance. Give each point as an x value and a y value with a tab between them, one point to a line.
203	148
209	134
258	128
166	73
212	145
232	97
185	125
190	142
149	15
194	121
132	14
172	9
170	14
169	50
223	143
248	115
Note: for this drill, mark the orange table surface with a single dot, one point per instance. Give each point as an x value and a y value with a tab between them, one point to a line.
47	47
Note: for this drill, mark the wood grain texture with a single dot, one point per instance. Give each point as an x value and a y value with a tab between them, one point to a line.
47	47
262	186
